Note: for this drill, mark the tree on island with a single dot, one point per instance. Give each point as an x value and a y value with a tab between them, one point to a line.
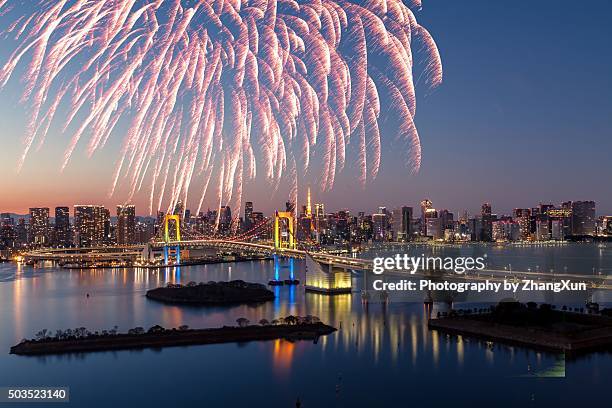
41	335
291	320
156	329
264	322
242	322
136	330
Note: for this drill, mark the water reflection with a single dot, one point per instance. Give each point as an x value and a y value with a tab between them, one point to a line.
388	340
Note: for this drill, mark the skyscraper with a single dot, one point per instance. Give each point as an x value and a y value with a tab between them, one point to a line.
308	211
487	222
583	218
91	225
426	205
39	226
225	218
248	215
63	236
320	210
404	232
523	217
126	224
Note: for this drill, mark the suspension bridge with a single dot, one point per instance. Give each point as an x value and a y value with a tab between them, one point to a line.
277	237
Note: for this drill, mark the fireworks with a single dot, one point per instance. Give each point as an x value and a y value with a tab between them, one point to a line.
214	90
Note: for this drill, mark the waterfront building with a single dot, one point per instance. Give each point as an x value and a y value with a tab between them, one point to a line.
426	205
91	225
126	225
380	223
22	232
487	222
63	233
606	225
523	217
8	235
556	230
39	226
506	230
145	230
475	229
404	231
542	228
434	227
583	218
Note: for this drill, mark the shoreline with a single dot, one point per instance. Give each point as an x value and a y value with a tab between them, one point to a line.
587	340
173	338
182	264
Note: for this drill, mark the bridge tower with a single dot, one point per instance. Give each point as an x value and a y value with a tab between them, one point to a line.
284	239
172	252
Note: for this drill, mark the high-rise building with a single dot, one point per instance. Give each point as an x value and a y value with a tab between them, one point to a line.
179	209
39	226
8	234
248	215
556	230
126	224
434	227
542	228
225	218
487	222
426	206
22	232
447	220
320	210
506	230
63	234
91	225
107	237
405	224
523	217
380	224
583	218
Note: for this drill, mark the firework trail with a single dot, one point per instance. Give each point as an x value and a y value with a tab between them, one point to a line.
209	85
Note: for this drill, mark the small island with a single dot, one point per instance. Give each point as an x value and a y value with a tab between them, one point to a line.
80	340
541	327
212	293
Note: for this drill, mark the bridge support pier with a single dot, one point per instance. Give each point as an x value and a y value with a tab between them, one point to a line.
278	265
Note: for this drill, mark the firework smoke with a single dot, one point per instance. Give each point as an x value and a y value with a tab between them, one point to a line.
208	86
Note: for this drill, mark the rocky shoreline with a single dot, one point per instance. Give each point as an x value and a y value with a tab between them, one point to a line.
158	337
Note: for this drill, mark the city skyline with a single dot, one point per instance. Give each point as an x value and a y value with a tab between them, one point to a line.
517	112
93	225
249	204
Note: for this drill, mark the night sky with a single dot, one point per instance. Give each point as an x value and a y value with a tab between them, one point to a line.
523	116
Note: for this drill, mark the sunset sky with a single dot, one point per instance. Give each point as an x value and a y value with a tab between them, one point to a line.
523	116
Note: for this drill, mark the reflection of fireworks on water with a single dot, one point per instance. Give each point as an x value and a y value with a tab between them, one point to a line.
208	85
